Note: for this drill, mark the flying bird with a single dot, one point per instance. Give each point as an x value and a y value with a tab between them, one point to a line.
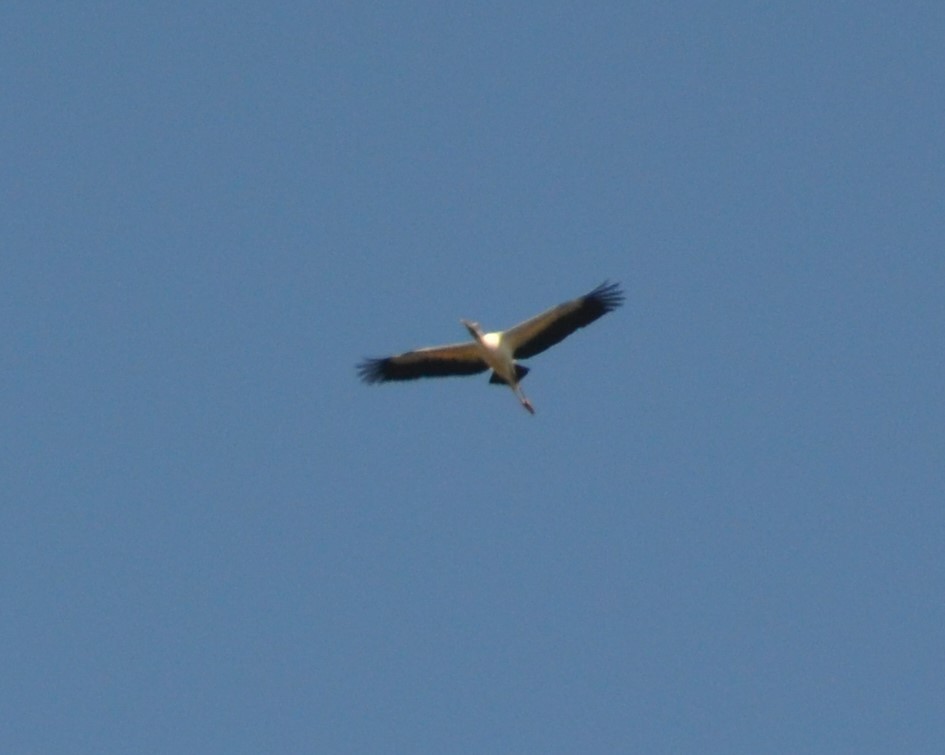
497	351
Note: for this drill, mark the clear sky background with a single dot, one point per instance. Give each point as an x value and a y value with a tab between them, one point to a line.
723	531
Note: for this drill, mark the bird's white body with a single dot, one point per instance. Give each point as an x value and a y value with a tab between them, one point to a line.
497	354
495	351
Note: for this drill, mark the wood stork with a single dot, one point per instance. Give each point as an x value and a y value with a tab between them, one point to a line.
499	350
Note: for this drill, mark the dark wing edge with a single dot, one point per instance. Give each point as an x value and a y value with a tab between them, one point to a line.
411	367
564	319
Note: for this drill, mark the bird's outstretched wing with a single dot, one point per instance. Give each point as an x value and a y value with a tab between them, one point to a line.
435	361
554	325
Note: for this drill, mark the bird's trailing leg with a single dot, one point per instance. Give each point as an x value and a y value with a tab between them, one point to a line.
525	402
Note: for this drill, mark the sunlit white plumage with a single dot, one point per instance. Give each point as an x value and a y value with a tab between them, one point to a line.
497	351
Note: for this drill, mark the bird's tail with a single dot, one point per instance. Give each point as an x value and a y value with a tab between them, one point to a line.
520	372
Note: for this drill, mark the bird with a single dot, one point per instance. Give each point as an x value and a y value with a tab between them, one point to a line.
497	351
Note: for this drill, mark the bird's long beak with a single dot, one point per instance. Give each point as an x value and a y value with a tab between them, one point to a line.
472	327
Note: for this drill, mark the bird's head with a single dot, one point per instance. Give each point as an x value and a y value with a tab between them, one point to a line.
474	330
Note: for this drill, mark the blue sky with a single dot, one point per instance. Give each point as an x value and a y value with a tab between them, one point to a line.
723	530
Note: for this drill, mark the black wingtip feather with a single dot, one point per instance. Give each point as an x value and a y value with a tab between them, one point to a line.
371	370
607	295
